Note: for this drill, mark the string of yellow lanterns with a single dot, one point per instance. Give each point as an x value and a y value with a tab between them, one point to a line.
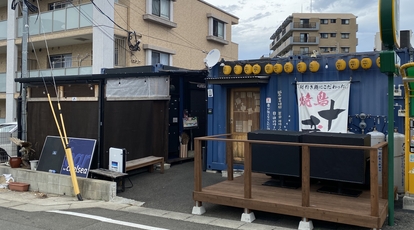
366	63
340	65
353	63
301	67
314	66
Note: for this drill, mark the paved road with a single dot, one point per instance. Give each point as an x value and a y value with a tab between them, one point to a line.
167	205
172	191
91	219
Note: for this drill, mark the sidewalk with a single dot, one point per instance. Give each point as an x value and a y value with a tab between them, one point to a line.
36	202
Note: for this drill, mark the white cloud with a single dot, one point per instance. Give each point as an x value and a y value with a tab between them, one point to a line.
259	19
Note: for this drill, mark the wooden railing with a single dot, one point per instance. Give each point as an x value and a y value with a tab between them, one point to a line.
374	191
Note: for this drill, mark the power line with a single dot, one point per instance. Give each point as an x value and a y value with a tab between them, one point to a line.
48	57
171	31
110	19
131	34
119	14
47	47
104	31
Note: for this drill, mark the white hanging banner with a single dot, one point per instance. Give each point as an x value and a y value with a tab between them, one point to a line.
323	106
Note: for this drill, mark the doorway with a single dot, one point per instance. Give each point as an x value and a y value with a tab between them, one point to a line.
244	117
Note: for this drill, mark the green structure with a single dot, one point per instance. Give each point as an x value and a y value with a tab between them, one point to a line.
389	29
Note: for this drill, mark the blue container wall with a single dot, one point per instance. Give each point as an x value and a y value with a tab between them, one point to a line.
368	94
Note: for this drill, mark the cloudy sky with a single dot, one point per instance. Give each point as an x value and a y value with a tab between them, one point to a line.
259	19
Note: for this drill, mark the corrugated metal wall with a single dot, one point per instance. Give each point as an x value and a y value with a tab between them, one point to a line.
368	95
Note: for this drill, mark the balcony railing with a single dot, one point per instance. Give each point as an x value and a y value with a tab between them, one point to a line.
46	73
58	20
59	72
309	39
303	53
310	25
2	82
3	29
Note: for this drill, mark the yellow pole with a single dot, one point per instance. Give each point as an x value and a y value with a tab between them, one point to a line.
407	134
68	150
409	174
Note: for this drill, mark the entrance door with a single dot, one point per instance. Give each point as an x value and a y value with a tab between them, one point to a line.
244	117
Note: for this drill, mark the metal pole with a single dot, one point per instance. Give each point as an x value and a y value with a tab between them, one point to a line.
391	149
24	70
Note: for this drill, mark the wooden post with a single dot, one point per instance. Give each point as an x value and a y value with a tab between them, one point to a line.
247	170
197	165
229	159
385	172
305	176
374	182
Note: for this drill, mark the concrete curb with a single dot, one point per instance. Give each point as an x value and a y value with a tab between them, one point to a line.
59	184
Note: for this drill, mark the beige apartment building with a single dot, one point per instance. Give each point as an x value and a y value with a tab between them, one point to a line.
304	33
80	37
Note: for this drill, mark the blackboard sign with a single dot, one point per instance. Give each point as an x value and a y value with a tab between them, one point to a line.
52	155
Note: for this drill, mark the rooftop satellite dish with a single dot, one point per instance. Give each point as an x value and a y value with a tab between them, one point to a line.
212	58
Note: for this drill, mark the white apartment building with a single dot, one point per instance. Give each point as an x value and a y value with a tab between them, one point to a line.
304	33
82	37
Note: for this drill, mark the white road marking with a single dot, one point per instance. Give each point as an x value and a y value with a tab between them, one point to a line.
109	220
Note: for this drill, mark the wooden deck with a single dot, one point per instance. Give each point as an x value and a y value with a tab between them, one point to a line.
327	207
367	210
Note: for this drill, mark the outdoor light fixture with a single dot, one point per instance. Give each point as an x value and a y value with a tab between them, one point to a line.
222	62
326	66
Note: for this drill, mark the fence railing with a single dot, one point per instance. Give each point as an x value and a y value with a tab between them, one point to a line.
74	17
305	171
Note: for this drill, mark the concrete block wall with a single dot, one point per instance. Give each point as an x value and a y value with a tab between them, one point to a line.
62	184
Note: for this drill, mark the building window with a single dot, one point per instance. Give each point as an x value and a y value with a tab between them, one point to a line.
60	61
345	21
333	20
333	35
324	49
304	37
158	57
345	49
332	49
218	28
304	23
324	35
304	50
324	21
120	51
161	8
56	5
160	12
345	35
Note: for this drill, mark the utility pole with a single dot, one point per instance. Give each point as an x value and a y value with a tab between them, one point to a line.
24	70
311	6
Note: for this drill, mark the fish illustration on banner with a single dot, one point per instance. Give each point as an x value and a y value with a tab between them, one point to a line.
323	106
